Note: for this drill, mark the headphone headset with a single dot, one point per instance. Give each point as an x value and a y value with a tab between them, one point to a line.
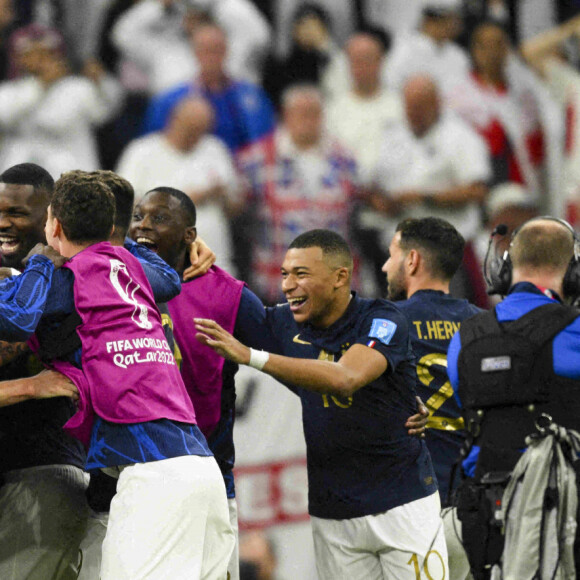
499	274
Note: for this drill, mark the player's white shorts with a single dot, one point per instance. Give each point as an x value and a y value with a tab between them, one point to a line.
169	519
92	544
404	543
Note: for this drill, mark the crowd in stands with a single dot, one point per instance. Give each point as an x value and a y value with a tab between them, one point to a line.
279	117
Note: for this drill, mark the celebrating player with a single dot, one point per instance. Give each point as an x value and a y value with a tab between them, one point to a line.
372	489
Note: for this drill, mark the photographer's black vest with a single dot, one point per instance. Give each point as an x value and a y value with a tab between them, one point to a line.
507	380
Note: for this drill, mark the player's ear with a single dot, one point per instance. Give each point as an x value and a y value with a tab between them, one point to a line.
412	261
56	228
342	277
190	235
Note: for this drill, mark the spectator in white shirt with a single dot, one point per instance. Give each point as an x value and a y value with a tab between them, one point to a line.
431	163
47	116
155	35
186	157
431	49
358	116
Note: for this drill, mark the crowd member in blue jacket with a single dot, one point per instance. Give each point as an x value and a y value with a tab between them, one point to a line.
243	112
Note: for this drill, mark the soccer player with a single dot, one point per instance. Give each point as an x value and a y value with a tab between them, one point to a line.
169	517
372	489
424	255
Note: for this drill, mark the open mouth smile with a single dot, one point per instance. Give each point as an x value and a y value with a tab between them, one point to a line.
297	302
9	244
147	242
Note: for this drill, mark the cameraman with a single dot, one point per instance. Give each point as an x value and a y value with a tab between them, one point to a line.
512	364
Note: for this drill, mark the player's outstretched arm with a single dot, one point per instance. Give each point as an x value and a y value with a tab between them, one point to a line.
45	385
357	367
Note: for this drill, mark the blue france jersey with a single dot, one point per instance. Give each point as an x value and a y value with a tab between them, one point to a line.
434	317
361	460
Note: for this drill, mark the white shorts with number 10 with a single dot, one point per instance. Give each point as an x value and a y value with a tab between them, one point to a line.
404	543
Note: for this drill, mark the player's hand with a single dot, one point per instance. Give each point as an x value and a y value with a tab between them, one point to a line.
417	423
201	258
7	273
212	334
50	253
48	384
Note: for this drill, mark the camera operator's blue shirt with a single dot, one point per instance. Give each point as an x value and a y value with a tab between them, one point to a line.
521	299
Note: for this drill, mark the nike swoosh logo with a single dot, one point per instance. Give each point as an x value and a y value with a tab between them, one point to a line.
296	339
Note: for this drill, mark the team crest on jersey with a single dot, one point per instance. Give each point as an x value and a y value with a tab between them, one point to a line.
383	330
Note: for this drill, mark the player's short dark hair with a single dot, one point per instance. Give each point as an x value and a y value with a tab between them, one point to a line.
85	207
185	203
124	196
439	239
29	174
124	199
331	244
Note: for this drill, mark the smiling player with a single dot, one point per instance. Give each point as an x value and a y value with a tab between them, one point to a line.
372	490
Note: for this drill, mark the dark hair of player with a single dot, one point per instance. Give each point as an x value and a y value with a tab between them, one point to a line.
332	245
124	197
438	239
186	204
85	207
29	174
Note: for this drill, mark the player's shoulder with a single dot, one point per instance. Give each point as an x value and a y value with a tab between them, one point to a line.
280	312
378	308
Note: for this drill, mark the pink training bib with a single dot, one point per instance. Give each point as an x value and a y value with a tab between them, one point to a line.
128	373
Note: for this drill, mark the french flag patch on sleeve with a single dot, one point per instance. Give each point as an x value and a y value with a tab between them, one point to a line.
383	330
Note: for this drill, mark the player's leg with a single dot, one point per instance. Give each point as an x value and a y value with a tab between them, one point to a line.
160	520
220	538
458	562
92	546
43	515
342	551
102	488
414	540
234	565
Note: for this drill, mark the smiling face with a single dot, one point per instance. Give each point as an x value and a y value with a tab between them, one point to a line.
158	223
310	283
22	217
394	268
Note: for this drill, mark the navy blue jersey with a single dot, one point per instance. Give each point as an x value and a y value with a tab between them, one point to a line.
361	460
434	317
